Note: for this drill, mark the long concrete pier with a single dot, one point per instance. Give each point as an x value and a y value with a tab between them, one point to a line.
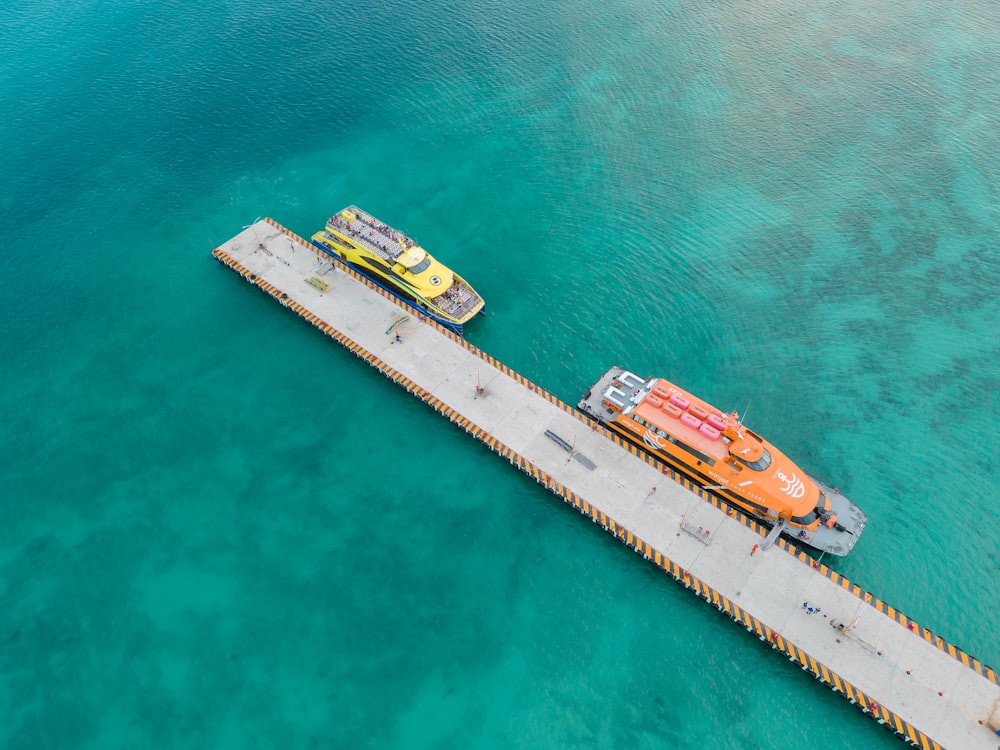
927	691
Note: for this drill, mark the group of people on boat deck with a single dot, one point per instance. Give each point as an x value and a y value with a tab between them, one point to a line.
383	229
452	299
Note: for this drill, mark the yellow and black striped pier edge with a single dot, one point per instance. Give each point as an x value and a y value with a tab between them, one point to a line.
865	702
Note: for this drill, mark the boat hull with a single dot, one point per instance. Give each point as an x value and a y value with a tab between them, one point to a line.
698	467
821	540
396	292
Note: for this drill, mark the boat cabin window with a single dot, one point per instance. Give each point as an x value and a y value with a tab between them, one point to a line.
701	457
760	464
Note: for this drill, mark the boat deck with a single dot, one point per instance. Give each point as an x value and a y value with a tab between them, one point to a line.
380	238
897	671
459	301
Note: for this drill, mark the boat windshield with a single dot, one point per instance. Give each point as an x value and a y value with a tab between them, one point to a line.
760	464
807	519
422	265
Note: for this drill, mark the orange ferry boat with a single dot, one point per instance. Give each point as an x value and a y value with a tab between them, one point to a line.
716	450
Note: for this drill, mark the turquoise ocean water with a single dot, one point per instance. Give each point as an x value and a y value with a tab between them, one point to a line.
219	530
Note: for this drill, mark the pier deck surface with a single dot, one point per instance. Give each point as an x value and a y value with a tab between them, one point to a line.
899	673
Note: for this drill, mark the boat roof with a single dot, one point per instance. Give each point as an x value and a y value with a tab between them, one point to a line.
653	413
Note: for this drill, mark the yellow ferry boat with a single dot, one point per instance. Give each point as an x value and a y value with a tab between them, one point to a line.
718	451
396	263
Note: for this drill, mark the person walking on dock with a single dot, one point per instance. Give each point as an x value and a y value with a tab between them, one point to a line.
755	550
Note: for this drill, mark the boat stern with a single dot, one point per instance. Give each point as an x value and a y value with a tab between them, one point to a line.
612	393
838	539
